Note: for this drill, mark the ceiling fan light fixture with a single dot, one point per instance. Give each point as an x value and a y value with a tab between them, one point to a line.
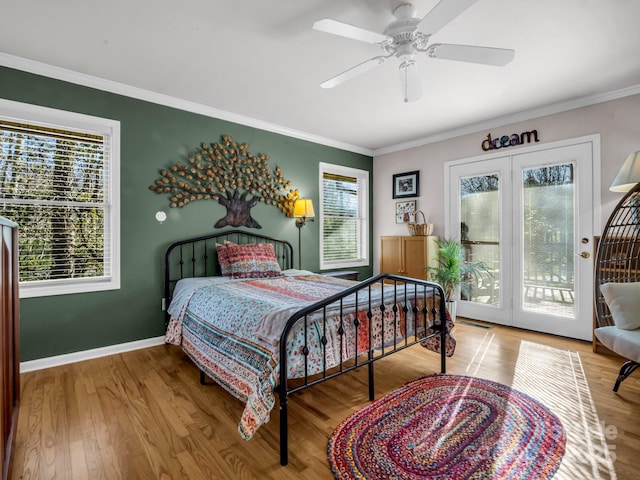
410	80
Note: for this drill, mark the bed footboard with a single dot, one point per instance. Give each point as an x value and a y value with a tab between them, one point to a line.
375	318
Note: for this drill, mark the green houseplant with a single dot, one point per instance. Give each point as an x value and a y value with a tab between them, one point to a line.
452	269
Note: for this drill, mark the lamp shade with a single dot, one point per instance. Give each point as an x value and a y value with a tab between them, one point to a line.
303	208
628	175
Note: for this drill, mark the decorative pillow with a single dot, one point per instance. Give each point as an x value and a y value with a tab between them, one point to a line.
256	260
623	300
223	259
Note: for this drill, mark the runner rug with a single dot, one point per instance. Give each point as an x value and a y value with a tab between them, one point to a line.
449	427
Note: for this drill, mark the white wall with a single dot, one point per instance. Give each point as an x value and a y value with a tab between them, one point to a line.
617	122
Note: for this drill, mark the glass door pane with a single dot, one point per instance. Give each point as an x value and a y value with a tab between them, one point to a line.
548	239
553	217
480	235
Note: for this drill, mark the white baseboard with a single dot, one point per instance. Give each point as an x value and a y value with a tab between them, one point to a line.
58	360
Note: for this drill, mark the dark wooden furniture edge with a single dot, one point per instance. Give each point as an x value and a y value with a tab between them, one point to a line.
11	356
346	274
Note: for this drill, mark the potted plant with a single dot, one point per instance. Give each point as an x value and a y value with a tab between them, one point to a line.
452	269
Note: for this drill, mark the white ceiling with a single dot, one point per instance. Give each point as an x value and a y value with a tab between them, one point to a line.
261	60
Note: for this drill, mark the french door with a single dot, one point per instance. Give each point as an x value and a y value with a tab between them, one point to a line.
529	217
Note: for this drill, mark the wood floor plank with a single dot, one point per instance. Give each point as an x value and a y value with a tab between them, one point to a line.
60	421
32	397
92	423
78	460
110	463
125	444
151	430
47	440
168	405
144	414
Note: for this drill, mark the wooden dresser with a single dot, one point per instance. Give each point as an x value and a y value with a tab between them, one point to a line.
9	340
408	256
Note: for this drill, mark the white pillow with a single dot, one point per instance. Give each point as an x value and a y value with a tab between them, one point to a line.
623	300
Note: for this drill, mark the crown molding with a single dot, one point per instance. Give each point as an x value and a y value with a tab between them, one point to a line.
71	76
58	73
509	119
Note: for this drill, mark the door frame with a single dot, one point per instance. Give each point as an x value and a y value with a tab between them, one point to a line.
593	140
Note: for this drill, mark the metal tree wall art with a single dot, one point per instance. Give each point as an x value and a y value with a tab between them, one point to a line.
230	174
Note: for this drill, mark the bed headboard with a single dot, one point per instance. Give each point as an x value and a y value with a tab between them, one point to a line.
197	257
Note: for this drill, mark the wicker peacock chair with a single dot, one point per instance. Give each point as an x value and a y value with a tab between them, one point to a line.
618	261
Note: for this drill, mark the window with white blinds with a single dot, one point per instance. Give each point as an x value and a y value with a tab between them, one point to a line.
344	217
57	183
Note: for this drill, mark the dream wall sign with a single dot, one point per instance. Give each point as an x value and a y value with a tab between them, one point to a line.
511	140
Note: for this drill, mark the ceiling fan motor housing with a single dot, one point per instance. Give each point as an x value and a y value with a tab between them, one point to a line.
404	32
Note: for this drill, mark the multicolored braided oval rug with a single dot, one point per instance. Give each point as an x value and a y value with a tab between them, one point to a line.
449	427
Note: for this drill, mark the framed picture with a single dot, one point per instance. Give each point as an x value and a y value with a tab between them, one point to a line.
406	185
406	211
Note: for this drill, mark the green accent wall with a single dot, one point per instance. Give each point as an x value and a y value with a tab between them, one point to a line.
154	137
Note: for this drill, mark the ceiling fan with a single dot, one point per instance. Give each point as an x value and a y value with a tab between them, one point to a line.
408	36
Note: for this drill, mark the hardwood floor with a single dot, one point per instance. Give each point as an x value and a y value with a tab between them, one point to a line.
144	414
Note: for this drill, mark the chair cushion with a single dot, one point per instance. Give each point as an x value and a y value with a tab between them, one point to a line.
625	343
623	300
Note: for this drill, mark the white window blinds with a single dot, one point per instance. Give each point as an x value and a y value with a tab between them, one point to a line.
344	217
54	182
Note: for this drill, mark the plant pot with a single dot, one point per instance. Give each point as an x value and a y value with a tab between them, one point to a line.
451	308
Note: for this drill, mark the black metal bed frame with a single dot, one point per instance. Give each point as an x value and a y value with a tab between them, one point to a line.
197	257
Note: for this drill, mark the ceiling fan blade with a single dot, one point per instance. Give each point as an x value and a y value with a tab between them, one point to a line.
443	13
469	53
345	30
354	71
410	81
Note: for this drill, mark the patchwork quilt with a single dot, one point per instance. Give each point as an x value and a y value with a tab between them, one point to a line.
231	330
